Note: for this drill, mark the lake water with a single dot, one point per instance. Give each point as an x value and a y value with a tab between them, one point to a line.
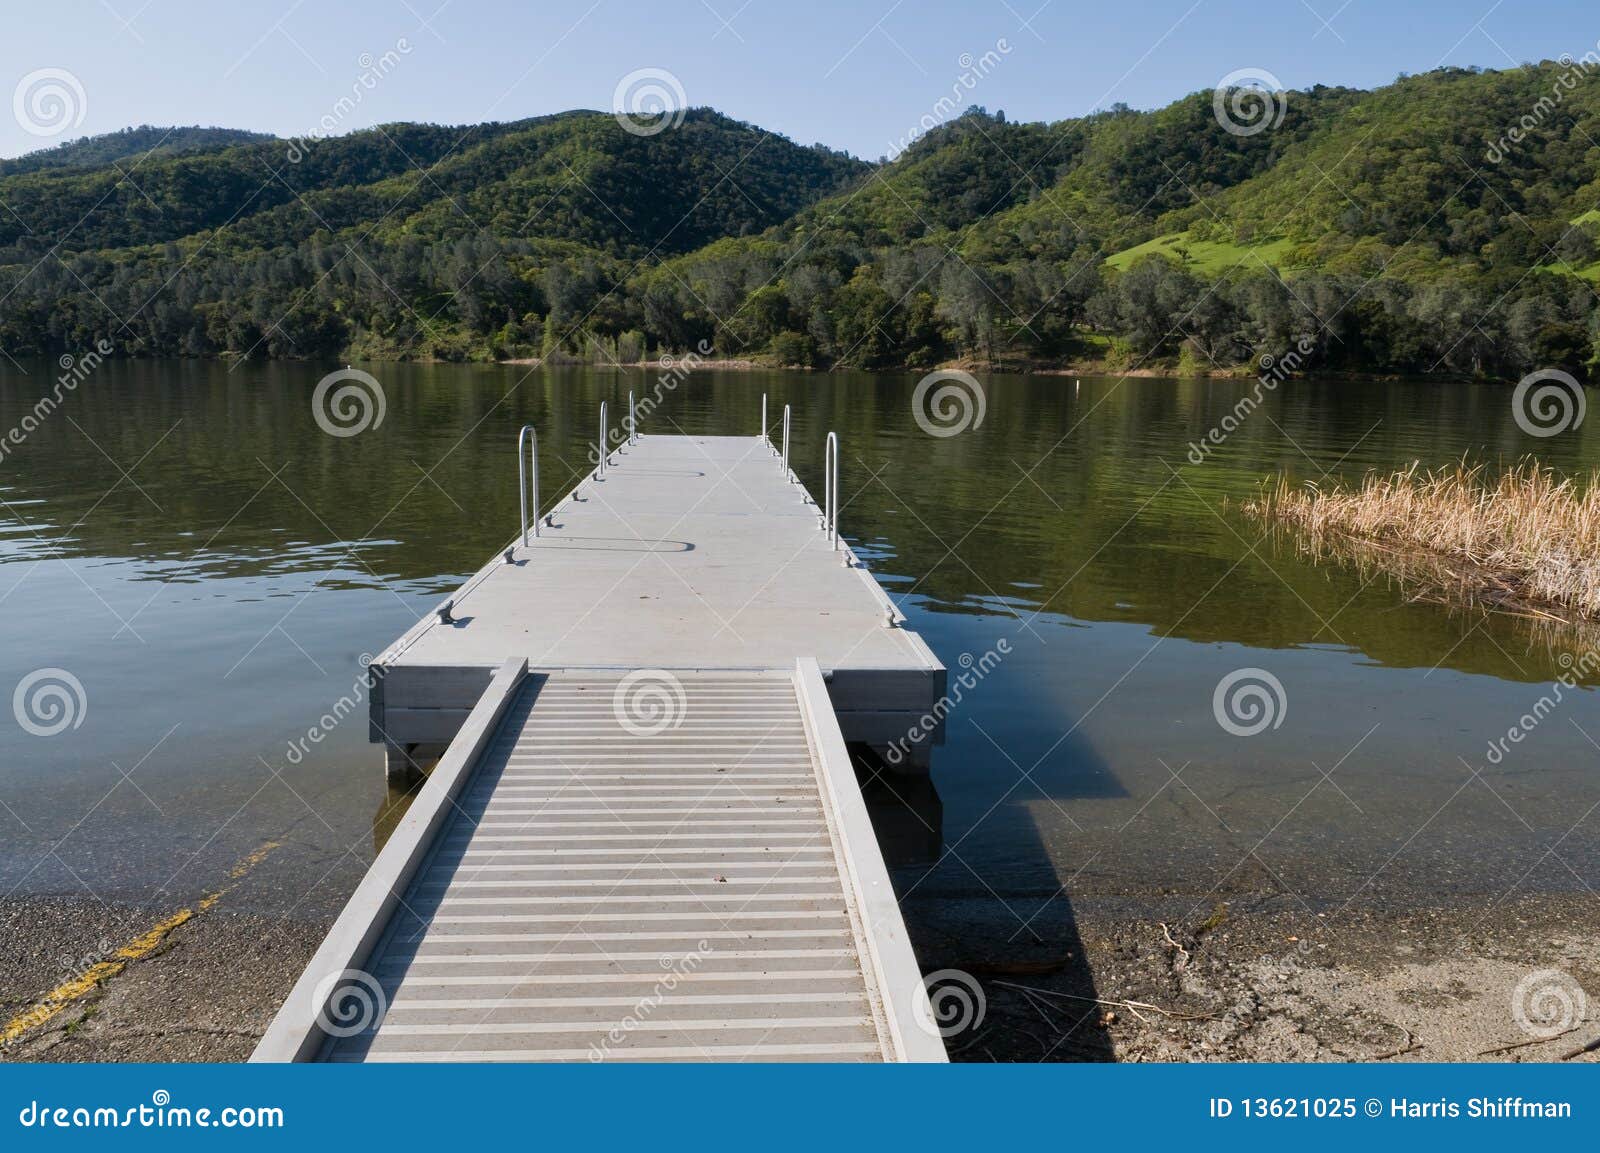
210	565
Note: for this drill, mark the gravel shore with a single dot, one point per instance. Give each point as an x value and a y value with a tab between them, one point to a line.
1098	983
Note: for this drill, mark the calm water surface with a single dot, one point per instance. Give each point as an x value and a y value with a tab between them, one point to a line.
210	566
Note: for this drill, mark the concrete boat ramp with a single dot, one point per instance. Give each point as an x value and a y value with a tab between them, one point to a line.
643	838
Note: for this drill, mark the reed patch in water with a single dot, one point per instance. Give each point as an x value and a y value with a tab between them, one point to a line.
1524	536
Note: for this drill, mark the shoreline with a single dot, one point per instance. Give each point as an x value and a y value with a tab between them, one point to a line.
668	363
1071	368
675	362
1099	981
1249	983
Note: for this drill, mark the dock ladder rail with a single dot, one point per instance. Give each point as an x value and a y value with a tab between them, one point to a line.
528	475
785	454
633	419
558	856
604	451
830	489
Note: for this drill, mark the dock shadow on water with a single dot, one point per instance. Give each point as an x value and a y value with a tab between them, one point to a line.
1008	975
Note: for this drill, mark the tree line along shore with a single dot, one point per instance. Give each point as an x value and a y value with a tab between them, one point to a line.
1373	224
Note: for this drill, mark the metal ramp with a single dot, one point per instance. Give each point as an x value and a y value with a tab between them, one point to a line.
647	865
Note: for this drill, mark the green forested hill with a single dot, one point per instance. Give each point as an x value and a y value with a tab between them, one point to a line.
403	240
94	151
1373	227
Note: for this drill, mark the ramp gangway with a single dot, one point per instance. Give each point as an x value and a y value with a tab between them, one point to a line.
631	857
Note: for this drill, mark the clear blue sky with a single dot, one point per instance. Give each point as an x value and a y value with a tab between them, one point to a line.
855	74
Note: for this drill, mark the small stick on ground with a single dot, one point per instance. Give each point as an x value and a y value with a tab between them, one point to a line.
1582	1049
1410	1045
1180	962
1131	1006
1534	1041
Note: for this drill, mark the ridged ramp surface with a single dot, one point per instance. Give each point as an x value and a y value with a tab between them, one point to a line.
641	868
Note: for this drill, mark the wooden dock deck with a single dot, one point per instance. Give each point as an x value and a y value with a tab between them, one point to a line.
645	839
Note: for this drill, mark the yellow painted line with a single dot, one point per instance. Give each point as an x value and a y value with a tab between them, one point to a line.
137	949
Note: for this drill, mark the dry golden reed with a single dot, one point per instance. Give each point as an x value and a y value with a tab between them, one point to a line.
1524	528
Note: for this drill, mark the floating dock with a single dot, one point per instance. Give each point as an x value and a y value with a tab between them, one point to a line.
644	839
681	553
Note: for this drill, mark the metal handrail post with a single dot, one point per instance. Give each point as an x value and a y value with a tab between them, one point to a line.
633	419
785	440
530	436
600	470
830	482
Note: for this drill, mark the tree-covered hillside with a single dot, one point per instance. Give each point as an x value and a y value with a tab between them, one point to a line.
1367	227
130	143
1406	229
407	239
